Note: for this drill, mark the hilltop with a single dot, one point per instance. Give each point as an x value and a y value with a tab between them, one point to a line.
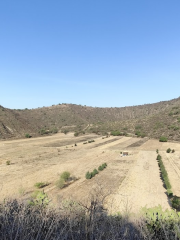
151	120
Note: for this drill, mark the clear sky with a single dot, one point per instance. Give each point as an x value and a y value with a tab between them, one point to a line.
98	53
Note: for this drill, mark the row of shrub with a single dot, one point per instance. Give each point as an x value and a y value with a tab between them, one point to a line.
164	173
140	134
118	133
92	174
174	199
90	141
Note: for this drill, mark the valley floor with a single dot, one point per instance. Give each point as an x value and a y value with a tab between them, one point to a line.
130	182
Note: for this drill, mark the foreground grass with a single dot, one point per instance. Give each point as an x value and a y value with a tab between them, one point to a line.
82	222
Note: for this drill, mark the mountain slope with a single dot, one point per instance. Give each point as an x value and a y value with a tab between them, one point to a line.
151	120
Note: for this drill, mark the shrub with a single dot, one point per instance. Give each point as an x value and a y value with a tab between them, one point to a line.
90	141
54	130
163	139
65	131
65	176
104	165
176	202
100	168
173	151
116	133
88	175
8	162
159	157
95	171
40	199
75	145
157	151
27	135
168	150
60	183
40	184
76	134
169	193
43	131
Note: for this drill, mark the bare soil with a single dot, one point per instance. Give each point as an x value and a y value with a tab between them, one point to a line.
131	182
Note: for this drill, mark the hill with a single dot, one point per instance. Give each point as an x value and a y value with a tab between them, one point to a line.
152	120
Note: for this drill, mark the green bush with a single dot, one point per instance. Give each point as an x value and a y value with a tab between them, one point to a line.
27	135
76	134
168	150
116	133
43	131
88	175
159	157
157	151
54	130
65	131
169	193
60	183
104	165
8	162
100	168
40	184
95	171
176	203
163	139
65	176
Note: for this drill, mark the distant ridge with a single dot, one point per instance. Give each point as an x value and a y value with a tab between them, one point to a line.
152	120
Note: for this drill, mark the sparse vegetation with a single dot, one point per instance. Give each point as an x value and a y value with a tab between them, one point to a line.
41	184
8	162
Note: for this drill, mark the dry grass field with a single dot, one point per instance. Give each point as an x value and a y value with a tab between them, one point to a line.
131	182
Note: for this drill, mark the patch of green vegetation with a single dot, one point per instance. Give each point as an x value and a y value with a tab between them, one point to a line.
90	175
39	198
76	134
163	139
41	184
27	135
43	131
90	141
168	150
173	127
164	173
8	162
65	131
137	127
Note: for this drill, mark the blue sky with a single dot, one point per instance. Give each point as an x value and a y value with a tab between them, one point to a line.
98	53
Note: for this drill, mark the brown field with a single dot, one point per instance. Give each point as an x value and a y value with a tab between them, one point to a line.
130	182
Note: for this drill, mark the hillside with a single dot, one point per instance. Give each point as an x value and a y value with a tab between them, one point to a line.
152	120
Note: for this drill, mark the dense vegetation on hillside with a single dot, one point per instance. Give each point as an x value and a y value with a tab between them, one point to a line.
152	120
